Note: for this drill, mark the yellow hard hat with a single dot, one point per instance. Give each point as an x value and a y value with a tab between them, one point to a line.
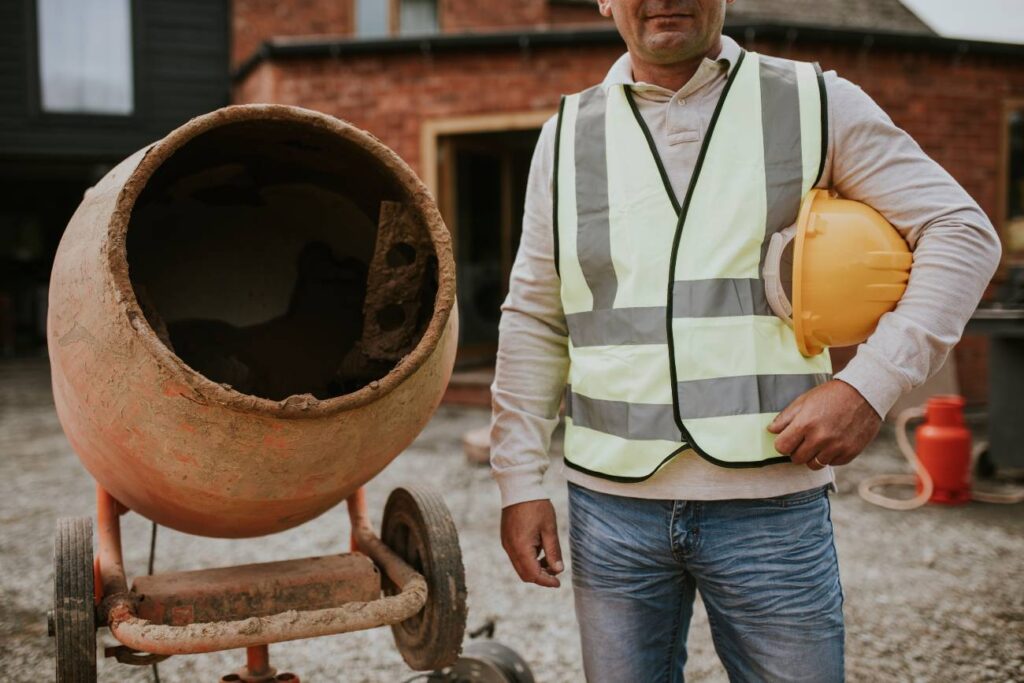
848	267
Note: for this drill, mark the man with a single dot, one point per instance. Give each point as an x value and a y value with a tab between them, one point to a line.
665	498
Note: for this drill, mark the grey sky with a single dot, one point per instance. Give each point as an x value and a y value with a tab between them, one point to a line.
996	20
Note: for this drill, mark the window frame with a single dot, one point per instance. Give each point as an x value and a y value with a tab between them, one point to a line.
36	110
394	18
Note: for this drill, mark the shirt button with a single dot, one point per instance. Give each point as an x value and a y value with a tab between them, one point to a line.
681	101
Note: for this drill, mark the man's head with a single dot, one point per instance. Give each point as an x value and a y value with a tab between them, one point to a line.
667	31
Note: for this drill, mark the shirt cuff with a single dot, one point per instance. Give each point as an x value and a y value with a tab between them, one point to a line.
519	486
878	381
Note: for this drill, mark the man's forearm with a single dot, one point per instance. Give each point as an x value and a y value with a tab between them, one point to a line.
529	378
956	249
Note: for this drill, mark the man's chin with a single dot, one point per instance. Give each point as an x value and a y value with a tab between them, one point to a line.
666	47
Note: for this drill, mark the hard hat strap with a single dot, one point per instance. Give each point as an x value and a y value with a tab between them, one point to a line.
774	292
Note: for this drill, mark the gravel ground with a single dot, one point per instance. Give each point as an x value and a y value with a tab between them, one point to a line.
932	595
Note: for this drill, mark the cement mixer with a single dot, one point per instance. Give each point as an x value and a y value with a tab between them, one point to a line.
248	320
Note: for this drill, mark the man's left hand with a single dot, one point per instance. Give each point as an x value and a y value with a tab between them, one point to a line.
828	425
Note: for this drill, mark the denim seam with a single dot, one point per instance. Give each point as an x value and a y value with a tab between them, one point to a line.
835	553
673	547
672	646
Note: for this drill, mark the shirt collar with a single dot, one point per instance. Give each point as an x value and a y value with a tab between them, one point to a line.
621	72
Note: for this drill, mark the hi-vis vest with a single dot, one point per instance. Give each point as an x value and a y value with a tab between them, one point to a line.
672	344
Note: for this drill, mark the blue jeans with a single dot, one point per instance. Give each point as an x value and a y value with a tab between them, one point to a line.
766	570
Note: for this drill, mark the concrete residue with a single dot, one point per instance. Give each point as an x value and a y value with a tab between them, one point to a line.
400	295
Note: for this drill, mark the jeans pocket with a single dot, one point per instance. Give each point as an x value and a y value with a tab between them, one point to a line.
798	497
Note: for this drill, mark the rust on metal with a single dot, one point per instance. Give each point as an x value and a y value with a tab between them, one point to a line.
403	260
121	606
227	593
196	453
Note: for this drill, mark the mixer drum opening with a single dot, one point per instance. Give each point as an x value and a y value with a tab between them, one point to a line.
281	260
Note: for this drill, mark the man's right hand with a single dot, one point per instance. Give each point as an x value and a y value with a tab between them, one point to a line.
526	530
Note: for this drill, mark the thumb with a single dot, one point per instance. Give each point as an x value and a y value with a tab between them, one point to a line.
552	550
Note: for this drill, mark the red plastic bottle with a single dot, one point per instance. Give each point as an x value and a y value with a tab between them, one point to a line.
944	448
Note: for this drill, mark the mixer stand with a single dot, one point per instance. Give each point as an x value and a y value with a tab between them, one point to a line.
417	566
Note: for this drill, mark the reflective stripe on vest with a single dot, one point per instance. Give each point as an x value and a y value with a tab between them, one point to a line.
662	364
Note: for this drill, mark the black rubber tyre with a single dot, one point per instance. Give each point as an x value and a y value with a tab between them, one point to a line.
74	611
418	527
488	661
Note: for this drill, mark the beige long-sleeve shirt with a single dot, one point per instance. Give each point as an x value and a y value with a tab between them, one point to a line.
869	159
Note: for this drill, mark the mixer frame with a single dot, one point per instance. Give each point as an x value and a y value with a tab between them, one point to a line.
251	606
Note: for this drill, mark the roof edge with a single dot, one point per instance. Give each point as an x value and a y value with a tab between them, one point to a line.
334	47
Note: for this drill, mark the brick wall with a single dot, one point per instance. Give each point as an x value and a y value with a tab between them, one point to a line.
254	21
575	14
462	15
951	105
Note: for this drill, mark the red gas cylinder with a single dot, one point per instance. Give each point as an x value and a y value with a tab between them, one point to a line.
944	449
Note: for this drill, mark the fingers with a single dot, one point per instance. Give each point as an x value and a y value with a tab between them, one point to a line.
784	418
552	551
808	449
790	439
844	459
528	565
529	536
828	425
821	459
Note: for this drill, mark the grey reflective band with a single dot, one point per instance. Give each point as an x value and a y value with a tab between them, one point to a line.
593	233
743	395
618	326
714	298
719	297
783	156
635	421
717	397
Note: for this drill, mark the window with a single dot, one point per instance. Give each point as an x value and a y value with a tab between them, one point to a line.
376	18
417	16
372	17
85	56
1014	232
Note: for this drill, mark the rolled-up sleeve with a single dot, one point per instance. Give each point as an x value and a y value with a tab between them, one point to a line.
533	359
956	250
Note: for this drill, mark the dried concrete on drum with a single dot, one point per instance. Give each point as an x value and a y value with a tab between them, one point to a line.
933	595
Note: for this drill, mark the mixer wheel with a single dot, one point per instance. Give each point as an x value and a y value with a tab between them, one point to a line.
74	612
418	527
488	661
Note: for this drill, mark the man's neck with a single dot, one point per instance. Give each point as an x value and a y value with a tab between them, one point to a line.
671	76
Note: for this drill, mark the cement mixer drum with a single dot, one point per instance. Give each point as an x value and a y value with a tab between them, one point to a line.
249	319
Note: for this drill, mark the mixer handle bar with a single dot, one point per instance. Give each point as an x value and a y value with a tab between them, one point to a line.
119	605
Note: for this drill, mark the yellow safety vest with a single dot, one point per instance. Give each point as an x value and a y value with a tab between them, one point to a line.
672	344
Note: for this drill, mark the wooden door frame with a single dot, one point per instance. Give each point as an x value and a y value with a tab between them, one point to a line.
433	129
443	188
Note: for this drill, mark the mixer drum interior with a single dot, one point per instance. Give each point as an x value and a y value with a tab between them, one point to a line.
280	260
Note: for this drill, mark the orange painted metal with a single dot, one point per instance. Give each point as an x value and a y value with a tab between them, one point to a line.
109	557
944	449
257	659
120	606
255	590
196	455
357	512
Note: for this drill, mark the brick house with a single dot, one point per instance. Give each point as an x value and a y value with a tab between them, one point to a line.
459	89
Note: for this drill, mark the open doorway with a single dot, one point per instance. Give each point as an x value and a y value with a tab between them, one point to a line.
481	189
